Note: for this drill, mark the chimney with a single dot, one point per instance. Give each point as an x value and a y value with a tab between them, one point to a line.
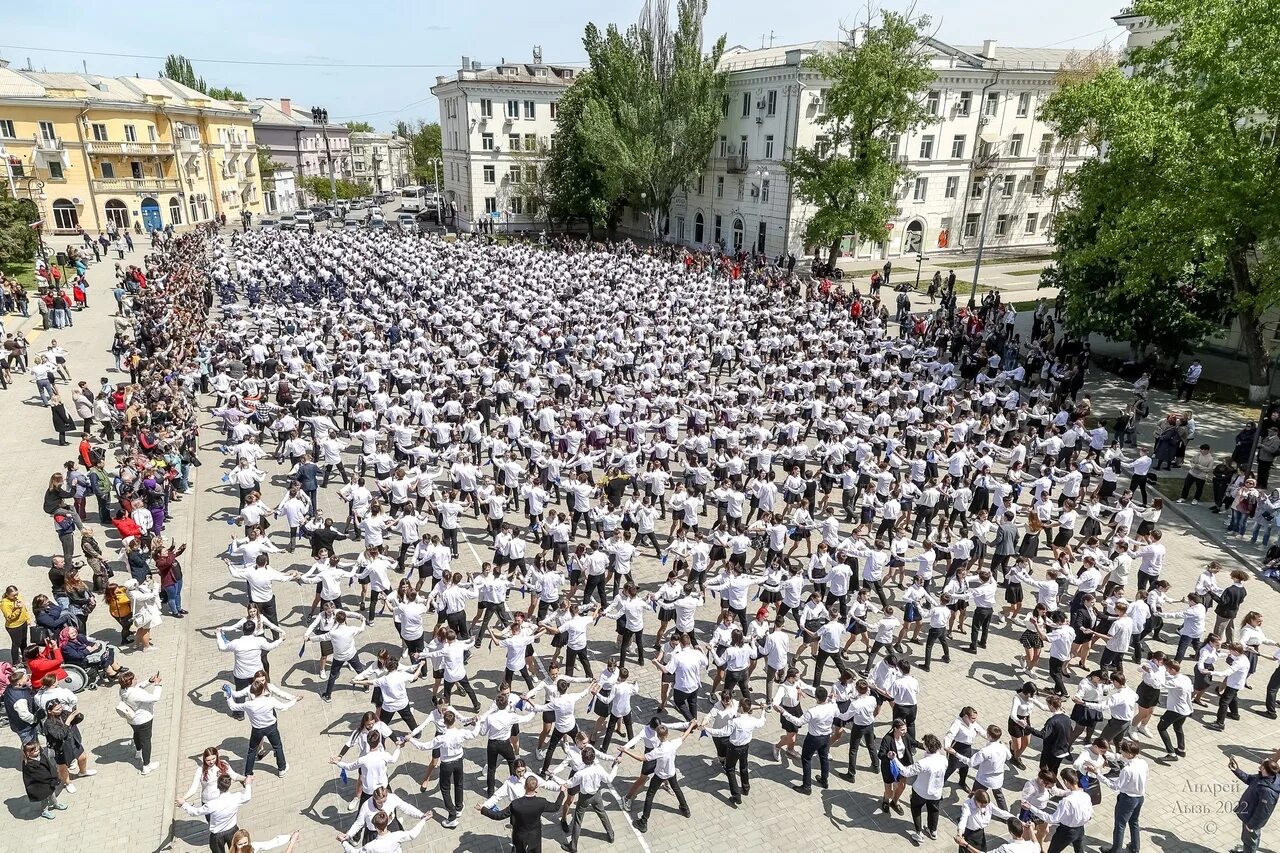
989	49
466	63
475	65
286	107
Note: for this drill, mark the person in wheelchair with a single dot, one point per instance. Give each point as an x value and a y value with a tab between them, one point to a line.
96	657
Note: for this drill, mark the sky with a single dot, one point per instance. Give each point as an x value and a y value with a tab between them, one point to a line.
308	51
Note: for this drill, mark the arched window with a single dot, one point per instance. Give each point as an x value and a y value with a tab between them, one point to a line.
191	204
175	211
737	235
697	227
65	217
117	213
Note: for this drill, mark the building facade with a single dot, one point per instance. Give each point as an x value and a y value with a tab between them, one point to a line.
132	152
495	124
984	137
291	138
280	192
381	161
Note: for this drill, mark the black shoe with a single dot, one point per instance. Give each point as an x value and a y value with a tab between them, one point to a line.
1215	726
735	801
641	825
822	783
947	659
897	808
924	667
931	835
884	806
804	789
1270	715
684	812
746	790
564	825
1182	753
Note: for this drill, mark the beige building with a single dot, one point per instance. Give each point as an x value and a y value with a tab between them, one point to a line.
139	153
382	161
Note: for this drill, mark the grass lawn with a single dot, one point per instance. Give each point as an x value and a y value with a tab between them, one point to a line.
1028	259
25	273
1024	272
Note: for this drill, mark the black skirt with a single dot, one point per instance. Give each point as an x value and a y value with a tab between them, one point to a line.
787	725
1017	729
1083	715
1013	593
1031	639
1148	696
1091	527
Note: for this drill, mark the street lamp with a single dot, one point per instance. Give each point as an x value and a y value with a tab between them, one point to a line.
436	163
920	259
320	116
989	162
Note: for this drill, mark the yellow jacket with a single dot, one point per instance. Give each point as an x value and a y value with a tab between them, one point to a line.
15	612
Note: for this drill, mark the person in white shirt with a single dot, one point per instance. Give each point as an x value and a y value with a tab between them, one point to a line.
450	742
384	801
588	782
739	729
210	768
221	812
1232	683
1130	786
927	775
246	650
388	840
664	758
819	722
1021	840
137	706
341	640
373	766
975	816
262	702
1070	818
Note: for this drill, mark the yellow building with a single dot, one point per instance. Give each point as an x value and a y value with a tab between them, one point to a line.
137	152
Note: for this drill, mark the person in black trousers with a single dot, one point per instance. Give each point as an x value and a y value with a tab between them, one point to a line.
1055	735
525	814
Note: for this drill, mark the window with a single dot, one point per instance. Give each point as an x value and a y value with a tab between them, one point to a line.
517	205
555	110
760	233
530	109
1002	225
1015	145
47	131
931	102
490	204
926	147
191	205
359	165
746	104
895	146
724	145
55	170
822	102
1046	144
971	225
741	188
175	211
992	106
6	129
108	171
984	149
724	106
1033	222
768	147
1037	185
964	104
821	145
953	187
737	235
1006	191
490	174
771	102
719	186
742	148
514	174
717	229
975	189
551	142
957	146
130	133
531	142
1073	148
486	108
697	227
151	137
117	213
486	141
922	187
64	215
513	142
764	189
700	184
513	109
1024	104
17	169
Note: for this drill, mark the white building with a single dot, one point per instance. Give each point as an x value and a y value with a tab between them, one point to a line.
492	123
280	192
380	160
984	100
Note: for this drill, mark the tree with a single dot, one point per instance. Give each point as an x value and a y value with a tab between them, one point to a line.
655	103
424	146
576	187
267	169
877	85
18	242
359	127
179	69
319	186
1191	177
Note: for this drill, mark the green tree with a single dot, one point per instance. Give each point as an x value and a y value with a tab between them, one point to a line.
655	103
577	188
1191	178
424	145
319	186
18	243
179	69
359	126
267	169
876	93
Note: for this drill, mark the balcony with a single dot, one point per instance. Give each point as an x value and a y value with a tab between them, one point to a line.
734	164
129	149
1043	159
188	147
135	185
49	149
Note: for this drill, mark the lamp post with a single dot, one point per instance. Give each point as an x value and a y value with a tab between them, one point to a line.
320	116
920	259
982	238
437	164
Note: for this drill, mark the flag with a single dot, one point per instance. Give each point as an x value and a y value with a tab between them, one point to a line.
895	769
664	559
342	774
302	648
231	520
521	704
702	734
226	478
226	690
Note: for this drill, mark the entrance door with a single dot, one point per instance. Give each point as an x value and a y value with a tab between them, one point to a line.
151	215
914	240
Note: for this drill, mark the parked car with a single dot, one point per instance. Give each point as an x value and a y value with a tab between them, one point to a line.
288	222
350	224
321	212
332	213
360	204
304	216
377	223
268	222
406	221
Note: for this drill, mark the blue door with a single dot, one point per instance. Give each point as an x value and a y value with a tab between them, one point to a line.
151	215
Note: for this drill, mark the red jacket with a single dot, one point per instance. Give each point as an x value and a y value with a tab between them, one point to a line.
126	527
49	660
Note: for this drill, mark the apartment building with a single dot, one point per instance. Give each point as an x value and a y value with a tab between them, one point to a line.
983	137
131	151
493	123
381	161
290	137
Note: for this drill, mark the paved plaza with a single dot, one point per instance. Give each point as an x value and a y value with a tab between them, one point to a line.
1188	806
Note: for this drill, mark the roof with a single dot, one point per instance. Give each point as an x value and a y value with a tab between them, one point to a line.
739	58
1023	58
93	87
269	111
518	73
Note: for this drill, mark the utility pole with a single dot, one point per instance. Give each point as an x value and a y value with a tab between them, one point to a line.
320	116
435	163
982	240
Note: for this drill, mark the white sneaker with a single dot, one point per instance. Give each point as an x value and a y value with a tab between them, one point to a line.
542	753
353	805
151	768
626	804
70	789
1193	502
92	771
137	753
1181	501
284	771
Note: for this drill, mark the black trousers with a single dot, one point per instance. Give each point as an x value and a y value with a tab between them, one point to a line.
819	745
572	656
956	762
936	635
654	784
495	749
980	626
735	767
220	842
686	704
859	736
1067	836
920	805
451	786
142	740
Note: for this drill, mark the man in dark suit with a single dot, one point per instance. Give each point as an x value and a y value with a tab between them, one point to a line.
525	814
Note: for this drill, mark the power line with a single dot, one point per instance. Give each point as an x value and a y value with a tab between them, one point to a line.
246	61
384	112
1077	38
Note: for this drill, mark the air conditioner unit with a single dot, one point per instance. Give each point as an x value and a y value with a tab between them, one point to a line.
759	119
760	104
755	191
815	97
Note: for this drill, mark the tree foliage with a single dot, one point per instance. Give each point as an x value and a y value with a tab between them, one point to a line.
1191	178
425	146
18	242
319	186
576	187
654	104
877	86
359	126
179	69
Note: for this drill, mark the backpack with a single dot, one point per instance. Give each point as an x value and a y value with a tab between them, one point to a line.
119	606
